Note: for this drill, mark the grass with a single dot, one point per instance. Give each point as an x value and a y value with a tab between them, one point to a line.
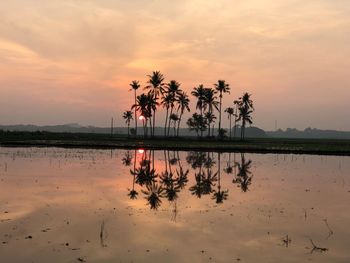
105	141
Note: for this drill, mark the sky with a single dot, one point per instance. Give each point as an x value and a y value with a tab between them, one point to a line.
71	61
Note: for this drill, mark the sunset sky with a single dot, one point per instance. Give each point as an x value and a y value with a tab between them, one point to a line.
64	61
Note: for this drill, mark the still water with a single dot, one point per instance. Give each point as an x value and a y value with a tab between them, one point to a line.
73	205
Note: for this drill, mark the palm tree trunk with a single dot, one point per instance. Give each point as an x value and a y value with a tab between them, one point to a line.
220	112
202	118
128	129
171	112
166	120
154	122
178	124
135	116
230	127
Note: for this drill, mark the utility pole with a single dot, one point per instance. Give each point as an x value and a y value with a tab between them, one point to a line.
275	125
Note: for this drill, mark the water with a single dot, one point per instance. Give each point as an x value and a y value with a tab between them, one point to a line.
73	205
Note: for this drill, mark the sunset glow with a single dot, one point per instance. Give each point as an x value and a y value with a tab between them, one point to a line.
72	61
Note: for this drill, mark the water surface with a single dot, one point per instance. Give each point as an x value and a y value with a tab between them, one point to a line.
73	205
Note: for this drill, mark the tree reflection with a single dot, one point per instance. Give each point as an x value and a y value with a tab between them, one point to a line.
153	194
243	178
166	179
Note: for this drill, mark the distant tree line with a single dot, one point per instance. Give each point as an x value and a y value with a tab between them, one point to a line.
158	93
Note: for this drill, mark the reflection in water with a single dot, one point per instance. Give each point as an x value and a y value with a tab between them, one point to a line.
67	205
243	178
167	183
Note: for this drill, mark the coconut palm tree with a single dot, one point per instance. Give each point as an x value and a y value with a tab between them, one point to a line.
167	100
244	116
183	104
245	108
142	106
210	101
156	85
135	85
210	118
199	93
173	88
222	87
236	103
128	116
230	112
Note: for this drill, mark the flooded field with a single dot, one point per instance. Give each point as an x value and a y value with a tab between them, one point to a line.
74	205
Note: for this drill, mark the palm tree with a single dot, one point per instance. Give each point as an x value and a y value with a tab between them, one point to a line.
142	106
152	105
245	107
210	101
210	118
230	111
199	93
173	88
166	102
221	87
236	103
135	86
128	116
155	83
183	102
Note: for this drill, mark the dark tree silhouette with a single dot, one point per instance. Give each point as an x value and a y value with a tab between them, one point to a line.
230	112
243	177
135	86
199	93
156	85
197	123
183	104
222	87
127	115
154	193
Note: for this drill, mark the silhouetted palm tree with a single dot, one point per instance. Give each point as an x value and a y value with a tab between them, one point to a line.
135	86
230	112
156	84
199	93
173	88
221	87
244	116
183	102
236	103
167	100
210	118
142	105
127	115
210	101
